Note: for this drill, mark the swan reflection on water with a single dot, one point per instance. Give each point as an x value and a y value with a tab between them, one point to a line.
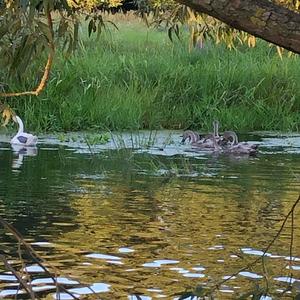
20	151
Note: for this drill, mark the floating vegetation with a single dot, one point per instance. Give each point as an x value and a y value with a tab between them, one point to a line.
89	138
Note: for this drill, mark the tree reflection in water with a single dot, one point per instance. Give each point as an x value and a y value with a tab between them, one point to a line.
134	224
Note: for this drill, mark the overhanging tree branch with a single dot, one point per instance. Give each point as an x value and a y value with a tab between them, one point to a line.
261	18
42	83
48	65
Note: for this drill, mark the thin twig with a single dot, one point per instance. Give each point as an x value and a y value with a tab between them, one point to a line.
291	212
292	239
41	85
36	258
20	279
23	267
291	248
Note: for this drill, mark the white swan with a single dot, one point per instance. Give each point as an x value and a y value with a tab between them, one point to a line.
23	138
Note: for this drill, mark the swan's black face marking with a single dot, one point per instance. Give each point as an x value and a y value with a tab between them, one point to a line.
22	139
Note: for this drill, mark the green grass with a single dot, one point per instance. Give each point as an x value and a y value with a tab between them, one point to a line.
135	78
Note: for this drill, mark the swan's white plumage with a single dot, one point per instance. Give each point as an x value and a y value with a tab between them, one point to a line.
23	138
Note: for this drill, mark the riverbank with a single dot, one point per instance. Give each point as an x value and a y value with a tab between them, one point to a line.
135	78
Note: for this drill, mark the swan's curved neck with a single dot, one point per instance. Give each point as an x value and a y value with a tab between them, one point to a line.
231	137
194	138
235	139
216	146
216	128
21	125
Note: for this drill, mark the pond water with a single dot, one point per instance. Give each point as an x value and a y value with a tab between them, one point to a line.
143	217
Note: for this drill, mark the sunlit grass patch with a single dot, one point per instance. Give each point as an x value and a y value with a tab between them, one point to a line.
135	78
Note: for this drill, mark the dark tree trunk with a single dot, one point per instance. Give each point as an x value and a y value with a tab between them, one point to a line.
261	18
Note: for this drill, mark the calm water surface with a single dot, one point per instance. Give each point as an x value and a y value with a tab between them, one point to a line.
150	223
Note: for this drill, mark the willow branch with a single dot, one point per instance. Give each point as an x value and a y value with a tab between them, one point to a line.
48	65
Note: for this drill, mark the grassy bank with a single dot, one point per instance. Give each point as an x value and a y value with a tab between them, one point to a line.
136	78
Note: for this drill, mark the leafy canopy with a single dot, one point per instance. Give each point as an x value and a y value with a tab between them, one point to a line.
30	29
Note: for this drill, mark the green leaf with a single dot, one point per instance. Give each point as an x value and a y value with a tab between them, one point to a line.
170	34
90	27
70	47
44	28
176	30
62	28
113	24
3	31
15	27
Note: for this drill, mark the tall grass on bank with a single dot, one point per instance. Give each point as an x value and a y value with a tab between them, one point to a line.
136	78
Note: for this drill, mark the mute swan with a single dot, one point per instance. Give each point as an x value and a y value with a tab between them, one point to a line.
228	143
241	148
195	140
236	147
190	135
208	139
23	138
216	129
232	137
20	151
205	143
